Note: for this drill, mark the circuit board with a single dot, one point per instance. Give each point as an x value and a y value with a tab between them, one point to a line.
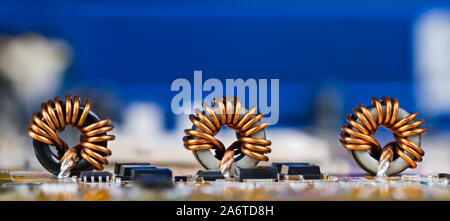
40	185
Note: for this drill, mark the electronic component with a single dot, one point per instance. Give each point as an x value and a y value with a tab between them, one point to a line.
180	178
24	185
136	172
257	173
152	181
210	175
251	143
308	171
54	117
152	178
357	136
302	169
125	170
278	165
443	175
95	176
118	165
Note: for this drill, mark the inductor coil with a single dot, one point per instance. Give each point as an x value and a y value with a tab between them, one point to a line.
357	136
251	144
54	116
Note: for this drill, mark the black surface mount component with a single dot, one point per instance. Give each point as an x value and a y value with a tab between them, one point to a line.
210	175
180	178
95	176
308	171
443	175
118	165
136	172
125	170
257	173
279	165
152	178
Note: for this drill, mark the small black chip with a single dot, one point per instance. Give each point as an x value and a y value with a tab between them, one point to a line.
118	165
443	175
299	169
312	176
257	173
279	165
136	172
308	171
210	175
153	178
95	176
180	178
125	170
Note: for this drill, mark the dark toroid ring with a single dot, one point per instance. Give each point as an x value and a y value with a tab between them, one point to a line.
51	162
55	115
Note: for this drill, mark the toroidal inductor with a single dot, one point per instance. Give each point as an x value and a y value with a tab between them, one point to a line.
251	144
54	117
357	134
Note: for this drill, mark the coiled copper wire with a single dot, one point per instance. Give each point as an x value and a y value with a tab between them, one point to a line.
56	116
230	114
358	136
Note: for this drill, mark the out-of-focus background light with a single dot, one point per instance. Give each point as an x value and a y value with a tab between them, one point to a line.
124	55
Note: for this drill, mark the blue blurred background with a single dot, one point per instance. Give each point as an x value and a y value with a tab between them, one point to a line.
328	55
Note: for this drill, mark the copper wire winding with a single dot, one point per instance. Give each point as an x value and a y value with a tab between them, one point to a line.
56	116
360	137
230	114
